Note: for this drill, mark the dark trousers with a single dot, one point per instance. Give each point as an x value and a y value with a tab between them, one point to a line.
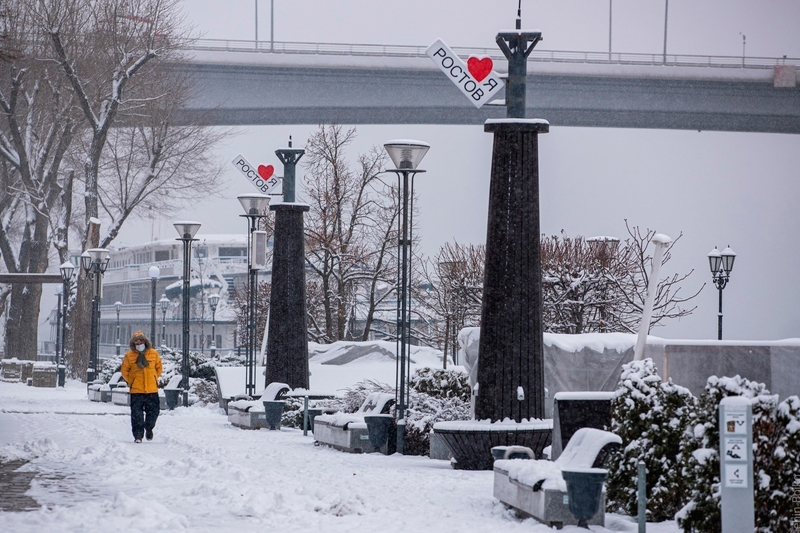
144	413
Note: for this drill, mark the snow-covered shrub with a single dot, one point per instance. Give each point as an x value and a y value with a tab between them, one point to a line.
108	366
292	416
775	457
650	417
441	383
442	399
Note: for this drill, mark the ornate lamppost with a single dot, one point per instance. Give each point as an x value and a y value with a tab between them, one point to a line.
67	269
721	265
187	230
213	301
154	273
255	206
59	292
164	303
406	156
94	263
118	307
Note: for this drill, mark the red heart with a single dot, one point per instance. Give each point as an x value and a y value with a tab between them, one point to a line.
265	171
479	68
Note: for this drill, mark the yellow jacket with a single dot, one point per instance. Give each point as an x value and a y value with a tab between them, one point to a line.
141	380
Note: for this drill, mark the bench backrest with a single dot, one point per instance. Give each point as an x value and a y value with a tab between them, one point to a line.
275	391
587	448
376	403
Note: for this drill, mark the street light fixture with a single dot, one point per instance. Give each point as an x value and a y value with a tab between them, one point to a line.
406	156
255	206
94	263
721	265
187	230
118	307
67	269
213	301
154	273
164	303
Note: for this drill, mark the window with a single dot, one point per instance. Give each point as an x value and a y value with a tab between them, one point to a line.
231	251
162	255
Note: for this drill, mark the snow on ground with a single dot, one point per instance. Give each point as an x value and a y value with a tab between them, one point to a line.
201	474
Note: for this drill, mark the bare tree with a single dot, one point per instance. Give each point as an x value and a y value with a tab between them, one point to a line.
36	129
349	235
455	278
601	286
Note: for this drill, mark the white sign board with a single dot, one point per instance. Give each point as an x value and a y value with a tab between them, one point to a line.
476	79
735	449
735	423
736	476
262	177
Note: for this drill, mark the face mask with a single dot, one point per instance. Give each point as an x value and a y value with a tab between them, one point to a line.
140	347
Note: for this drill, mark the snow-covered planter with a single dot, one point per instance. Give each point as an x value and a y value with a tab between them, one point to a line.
121	396
471	441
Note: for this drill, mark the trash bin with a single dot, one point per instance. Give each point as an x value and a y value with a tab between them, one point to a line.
273	411
379	427
584	488
312	414
173	398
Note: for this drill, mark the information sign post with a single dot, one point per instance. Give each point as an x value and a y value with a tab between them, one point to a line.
736	464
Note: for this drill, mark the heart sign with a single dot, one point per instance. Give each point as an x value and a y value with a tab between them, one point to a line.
265	171
480	67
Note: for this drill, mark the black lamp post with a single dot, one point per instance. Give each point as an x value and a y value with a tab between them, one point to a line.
213	301
406	156
154	273
164	303
118	307
94	262
721	265
67	270
187	230
255	206
59	292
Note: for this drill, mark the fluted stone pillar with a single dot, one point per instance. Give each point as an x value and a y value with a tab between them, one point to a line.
510	365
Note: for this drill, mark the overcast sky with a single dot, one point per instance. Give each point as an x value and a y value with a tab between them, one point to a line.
717	188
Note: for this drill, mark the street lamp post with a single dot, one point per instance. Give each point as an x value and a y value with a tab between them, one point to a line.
406	156
721	265
59	292
255	206
164	303
213	300
187	230
154	273
67	270
94	262
118	307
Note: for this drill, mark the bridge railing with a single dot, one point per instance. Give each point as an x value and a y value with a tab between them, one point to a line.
552	56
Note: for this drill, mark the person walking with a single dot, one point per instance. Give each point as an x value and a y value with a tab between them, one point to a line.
141	368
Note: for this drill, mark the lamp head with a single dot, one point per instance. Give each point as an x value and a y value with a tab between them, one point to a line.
254	204
728	256
714	260
118	306
164	303
213	300
154	272
406	154
67	270
86	261
187	229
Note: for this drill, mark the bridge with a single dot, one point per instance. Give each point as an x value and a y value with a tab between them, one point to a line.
262	83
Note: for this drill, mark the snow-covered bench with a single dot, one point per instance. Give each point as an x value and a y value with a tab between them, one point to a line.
537	488
250	414
348	431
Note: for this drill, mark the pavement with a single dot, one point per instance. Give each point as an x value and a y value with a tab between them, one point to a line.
15	481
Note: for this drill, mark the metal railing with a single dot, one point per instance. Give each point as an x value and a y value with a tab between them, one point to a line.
550	56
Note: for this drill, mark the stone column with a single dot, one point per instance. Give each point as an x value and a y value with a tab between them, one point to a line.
510	365
287	343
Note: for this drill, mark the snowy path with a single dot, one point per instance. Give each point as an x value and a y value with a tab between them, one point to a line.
202	474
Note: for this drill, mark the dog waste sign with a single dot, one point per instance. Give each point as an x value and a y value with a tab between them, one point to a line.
475	78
